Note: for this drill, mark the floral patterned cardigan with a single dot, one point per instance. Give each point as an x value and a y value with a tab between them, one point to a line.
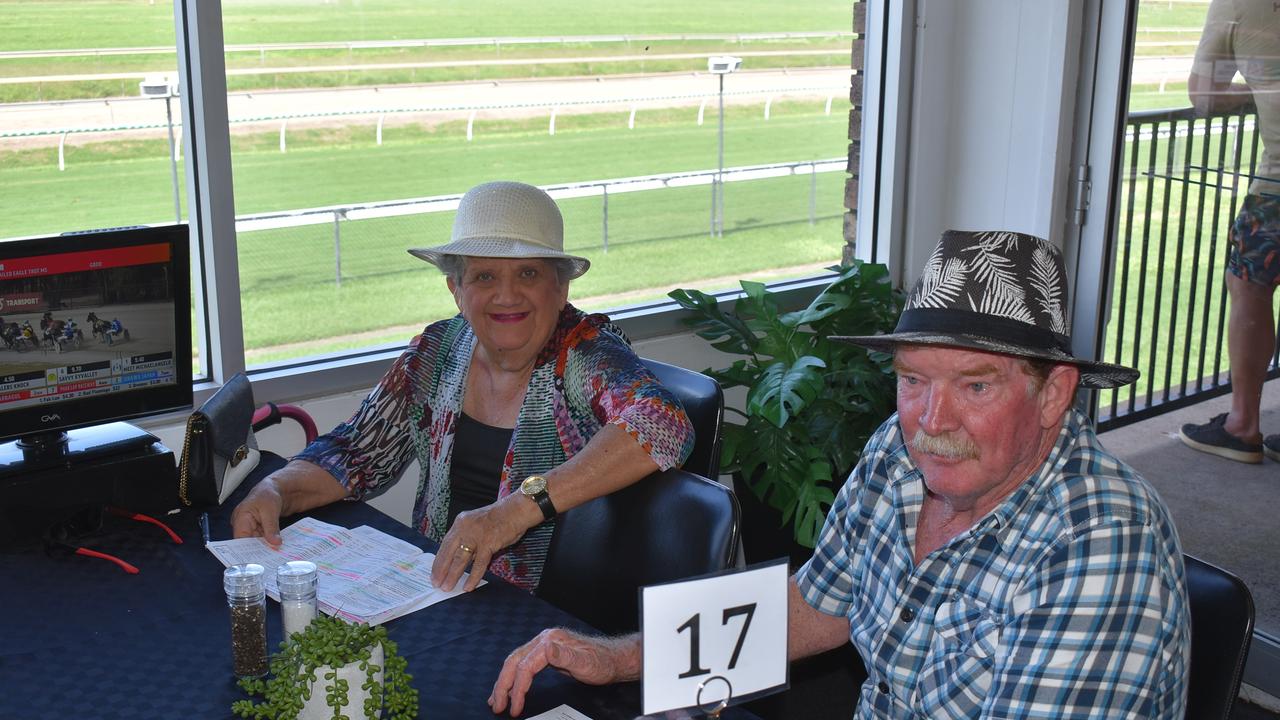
585	377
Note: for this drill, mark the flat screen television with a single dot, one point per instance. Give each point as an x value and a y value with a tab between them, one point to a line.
95	327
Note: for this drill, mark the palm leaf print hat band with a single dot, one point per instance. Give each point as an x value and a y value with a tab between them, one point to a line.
1003	292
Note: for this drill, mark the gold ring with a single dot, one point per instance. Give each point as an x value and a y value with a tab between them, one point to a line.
465	548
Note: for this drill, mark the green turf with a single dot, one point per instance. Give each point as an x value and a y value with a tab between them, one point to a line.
131	23
1162	14
53	24
289	288
335	166
833	53
1160	21
1164	22
289	276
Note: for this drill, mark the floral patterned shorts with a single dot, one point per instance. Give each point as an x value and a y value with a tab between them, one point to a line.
1255	241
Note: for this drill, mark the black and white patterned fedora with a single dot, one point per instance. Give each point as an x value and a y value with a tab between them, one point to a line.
1003	292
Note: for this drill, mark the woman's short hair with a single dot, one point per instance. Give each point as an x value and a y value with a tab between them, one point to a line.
454	266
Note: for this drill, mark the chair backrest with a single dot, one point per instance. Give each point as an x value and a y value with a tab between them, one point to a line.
704	404
670	525
1221	629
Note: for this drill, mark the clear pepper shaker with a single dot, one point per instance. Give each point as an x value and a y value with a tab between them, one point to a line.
297	583
247	598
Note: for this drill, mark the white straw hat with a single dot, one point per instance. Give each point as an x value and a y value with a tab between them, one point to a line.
506	220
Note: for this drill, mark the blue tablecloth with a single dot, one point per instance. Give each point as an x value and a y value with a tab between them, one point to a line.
79	638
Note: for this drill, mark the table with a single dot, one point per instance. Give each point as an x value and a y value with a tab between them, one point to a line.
80	638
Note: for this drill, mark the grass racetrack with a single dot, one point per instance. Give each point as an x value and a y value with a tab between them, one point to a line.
318	288
290	293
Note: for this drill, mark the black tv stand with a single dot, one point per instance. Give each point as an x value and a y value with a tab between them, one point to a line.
44	445
46	450
47	480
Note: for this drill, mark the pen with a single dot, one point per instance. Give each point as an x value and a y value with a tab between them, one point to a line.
204	527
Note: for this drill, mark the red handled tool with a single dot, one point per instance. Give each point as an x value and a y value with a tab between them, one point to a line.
121	512
60	535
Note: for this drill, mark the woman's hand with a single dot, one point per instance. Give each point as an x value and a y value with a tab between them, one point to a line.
293	488
258	515
590	660
477	535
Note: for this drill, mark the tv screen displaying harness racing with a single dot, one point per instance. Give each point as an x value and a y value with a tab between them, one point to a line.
86	323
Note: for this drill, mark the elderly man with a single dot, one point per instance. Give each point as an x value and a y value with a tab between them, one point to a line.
987	557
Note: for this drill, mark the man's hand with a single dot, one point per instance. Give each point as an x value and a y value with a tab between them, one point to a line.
477	535
1212	96
590	660
258	515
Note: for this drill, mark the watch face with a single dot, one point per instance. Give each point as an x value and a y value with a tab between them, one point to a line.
533	485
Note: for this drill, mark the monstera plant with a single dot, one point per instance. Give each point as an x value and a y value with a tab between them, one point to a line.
811	402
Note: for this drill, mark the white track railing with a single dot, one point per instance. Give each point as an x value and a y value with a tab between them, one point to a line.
438	42
426	109
336	215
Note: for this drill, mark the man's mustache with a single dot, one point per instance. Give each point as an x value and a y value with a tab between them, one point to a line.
946	445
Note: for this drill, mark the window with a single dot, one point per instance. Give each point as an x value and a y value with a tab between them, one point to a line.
354	126
90	135
342	131
1187	175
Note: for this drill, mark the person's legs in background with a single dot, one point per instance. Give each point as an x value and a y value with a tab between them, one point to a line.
1251	338
1252	274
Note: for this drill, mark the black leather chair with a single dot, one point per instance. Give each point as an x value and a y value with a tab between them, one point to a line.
669	526
1221	629
704	403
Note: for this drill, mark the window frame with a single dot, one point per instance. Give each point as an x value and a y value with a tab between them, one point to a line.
211	213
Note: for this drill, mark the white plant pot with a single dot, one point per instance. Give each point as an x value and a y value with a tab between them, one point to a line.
316	709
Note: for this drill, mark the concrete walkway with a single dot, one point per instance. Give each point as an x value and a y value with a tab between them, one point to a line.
1227	513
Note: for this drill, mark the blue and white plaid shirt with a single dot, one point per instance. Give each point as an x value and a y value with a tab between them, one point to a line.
1066	601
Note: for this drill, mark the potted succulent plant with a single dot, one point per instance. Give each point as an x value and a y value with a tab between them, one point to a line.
333	669
811	403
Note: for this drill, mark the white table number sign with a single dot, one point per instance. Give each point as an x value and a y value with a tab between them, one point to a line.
715	635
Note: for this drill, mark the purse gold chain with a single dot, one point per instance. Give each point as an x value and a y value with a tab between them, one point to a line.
186	453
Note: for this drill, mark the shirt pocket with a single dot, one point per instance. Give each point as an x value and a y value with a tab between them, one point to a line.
956	673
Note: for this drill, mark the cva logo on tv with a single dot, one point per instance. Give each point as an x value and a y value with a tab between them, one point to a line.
50	418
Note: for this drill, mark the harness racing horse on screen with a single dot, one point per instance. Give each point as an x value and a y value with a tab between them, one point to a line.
61	335
18	337
11	336
106	330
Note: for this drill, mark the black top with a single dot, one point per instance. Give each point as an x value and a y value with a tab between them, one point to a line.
478	452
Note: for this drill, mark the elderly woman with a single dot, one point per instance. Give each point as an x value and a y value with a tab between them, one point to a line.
516	409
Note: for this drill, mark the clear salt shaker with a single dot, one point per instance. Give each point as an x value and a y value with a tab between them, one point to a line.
297	583
247	598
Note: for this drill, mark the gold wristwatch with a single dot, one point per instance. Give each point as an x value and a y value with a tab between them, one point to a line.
534	487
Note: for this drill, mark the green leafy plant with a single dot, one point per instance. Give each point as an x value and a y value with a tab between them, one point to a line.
811	402
329	643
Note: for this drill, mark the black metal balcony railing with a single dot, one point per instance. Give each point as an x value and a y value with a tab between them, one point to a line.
1184	180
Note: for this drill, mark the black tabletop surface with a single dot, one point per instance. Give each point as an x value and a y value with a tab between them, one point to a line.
80	638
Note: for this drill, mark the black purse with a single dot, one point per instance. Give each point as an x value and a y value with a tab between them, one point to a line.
219	450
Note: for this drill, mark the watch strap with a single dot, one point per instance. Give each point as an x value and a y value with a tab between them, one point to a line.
544	502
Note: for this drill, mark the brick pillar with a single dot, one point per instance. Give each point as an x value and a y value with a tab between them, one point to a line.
857	61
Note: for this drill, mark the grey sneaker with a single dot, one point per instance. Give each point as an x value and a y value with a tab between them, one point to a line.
1271	446
1214	439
